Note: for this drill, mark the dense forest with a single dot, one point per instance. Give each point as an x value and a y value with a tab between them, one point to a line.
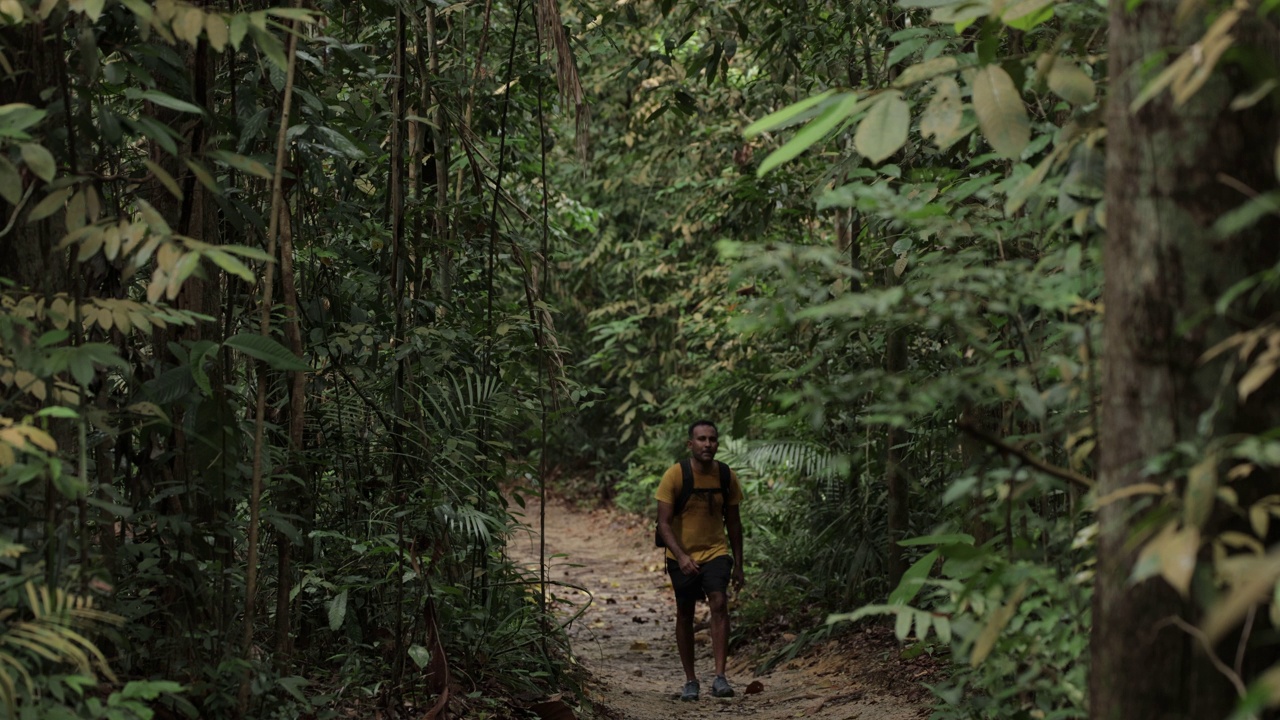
299	303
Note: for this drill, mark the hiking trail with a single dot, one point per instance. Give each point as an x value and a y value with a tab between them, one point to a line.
625	636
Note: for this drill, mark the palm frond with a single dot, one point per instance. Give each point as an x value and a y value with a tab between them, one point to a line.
786	458
51	634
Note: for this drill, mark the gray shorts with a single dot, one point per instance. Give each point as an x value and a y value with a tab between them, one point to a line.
713	578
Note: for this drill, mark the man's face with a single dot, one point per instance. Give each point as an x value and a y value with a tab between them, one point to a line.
704	443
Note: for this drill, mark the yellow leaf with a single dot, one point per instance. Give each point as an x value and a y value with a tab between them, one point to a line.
165	10
167	257
105	319
1257	375
164	177
111	242
1260	519
1254	585
1069	82
121	316
188	25
1178	558
986	641
91	245
215	27
39	438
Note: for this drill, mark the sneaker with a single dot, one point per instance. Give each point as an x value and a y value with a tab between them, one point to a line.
690	691
720	688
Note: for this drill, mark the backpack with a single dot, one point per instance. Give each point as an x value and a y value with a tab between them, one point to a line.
686	492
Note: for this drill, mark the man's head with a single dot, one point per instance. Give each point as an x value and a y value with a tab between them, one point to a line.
704	440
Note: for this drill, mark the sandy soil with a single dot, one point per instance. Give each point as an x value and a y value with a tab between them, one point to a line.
625	637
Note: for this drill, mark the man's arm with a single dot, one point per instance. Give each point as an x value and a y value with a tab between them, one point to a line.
733	523
666	511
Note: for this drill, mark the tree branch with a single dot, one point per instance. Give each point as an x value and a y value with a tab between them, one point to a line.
1024	456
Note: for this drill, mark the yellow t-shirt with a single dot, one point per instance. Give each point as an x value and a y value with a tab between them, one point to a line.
700	528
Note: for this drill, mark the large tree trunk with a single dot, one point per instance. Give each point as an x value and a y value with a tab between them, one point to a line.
1163	265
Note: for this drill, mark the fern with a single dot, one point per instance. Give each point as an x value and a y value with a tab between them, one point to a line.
51	633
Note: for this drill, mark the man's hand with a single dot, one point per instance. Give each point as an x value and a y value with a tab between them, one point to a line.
738	577
688	566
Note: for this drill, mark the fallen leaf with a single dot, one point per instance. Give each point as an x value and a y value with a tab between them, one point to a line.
639	646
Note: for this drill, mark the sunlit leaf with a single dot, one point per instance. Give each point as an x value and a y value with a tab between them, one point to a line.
1001	115
817	129
884	129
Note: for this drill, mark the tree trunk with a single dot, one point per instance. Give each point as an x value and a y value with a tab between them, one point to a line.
1163	267
896	485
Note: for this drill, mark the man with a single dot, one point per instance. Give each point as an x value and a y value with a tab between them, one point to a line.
698	552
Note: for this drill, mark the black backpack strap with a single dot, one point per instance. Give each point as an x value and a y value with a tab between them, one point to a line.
726	479
686	486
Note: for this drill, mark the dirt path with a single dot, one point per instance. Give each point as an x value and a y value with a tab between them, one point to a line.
625	637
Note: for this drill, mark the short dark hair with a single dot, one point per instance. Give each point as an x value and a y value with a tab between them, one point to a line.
699	423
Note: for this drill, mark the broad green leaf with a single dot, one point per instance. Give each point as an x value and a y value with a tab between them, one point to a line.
902	625
237	28
270	45
293	685
1001	115
785	116
1248	214
230	264
1028	184
242	163
913	579
15	118
245	251
927	70
40	160
202	174
420	656
266	350
1025	15
163	136
168	101
299	14
337	610
817	129
10	182
903	50
884	129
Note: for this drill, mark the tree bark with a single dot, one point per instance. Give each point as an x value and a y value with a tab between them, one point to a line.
1163	268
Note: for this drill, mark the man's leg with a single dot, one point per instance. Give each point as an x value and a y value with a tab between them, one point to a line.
684	635
719	605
